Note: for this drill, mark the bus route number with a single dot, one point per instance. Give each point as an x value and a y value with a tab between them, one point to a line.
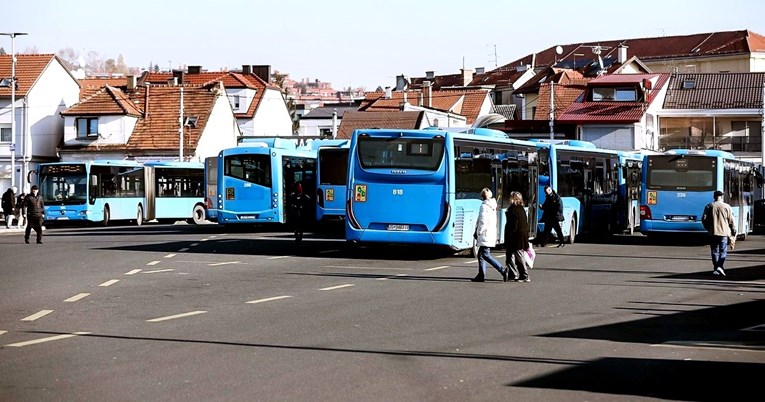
680	195
398	191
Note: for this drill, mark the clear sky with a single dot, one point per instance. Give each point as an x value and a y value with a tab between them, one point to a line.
353	43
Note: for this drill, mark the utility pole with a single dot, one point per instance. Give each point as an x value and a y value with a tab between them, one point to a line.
180	129
552	110
13	36
762	129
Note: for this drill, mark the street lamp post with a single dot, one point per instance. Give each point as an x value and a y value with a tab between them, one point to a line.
13	84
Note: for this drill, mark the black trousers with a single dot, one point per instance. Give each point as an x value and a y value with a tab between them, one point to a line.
35	222
549	226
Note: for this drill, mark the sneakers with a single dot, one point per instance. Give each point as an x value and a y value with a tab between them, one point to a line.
505	274
719	271
478	278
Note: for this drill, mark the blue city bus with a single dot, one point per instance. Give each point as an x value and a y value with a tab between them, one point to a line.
174	191
249	184
599	188
331	178
95	191
423	186
679	183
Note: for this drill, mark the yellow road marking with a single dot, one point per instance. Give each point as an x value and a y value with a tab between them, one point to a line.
39	314
47	339
77	297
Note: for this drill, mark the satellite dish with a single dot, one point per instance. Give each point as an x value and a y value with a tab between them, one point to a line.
559	49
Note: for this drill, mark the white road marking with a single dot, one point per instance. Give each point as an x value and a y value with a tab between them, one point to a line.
471	262
172	317
437	268
268	299
47	339
159	270
194	244
183	249
153	263
39	314
204	239
279	257
212	237
170	255
3	332
133	271
109	283
77	297
223	263
391	277
368	267
328	251
347	285
712	345
760	327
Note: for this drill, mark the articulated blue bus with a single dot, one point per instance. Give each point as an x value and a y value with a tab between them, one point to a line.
174	191
423	186
93	191
331	178
679	183
599	188
249	184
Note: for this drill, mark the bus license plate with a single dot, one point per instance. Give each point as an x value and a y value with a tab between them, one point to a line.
398	227
247	217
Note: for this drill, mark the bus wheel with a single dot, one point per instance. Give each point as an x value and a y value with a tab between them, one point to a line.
105	222
572	231
139	216
198	214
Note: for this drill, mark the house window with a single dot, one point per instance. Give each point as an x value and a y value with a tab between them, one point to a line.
87	127
614	94
5	134
235	102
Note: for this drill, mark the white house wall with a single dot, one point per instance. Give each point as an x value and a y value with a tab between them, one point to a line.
54	91
111	130
221	131
271	117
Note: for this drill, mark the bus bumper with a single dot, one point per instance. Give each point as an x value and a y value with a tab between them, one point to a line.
654	226
396	237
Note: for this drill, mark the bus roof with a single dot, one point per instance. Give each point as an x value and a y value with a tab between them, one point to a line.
701	152
466	133
316	144
268	142
174	164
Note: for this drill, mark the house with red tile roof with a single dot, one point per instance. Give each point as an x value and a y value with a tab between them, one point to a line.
143	122
260	107
44	88
619	111
396	119
714	111
452	104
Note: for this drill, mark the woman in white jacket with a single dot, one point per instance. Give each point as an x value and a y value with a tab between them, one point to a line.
486	236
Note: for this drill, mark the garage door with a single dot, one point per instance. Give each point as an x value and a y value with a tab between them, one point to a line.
617	137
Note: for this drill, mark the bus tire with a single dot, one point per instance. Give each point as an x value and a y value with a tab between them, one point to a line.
572	231
105	222
139	216
198	214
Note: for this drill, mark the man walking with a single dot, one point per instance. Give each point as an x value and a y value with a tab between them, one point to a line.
718	221
35	211
9	205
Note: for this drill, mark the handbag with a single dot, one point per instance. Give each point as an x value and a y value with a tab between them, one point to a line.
529	255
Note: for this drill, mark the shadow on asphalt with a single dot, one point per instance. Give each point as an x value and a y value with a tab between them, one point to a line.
682	380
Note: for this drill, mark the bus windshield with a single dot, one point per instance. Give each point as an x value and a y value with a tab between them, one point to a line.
401	153
252	168
333	165
673	172
63	184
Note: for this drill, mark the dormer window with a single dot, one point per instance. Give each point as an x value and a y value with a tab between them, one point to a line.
614	95
689	83
87	127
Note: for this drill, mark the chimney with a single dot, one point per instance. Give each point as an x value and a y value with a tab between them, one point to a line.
427	88
246	69
467	76
401	83
388	93
263	72
622	53
480	70
429	75
178	76
420	99
194	70
132	81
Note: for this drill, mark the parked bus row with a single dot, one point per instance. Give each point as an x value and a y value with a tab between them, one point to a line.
121	190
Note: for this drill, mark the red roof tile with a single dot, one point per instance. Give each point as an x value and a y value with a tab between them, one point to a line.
104	102
466	102
386	119
584	111
29	67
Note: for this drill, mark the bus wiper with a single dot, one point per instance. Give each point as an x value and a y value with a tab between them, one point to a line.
676	157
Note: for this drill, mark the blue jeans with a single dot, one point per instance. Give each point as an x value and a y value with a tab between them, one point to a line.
719	247
484	256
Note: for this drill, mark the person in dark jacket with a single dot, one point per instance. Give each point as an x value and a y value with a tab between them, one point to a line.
552	215
9	206
298	206
516	238
35	212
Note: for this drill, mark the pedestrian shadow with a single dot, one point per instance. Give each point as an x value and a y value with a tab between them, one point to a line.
686	380
735	274
392	277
